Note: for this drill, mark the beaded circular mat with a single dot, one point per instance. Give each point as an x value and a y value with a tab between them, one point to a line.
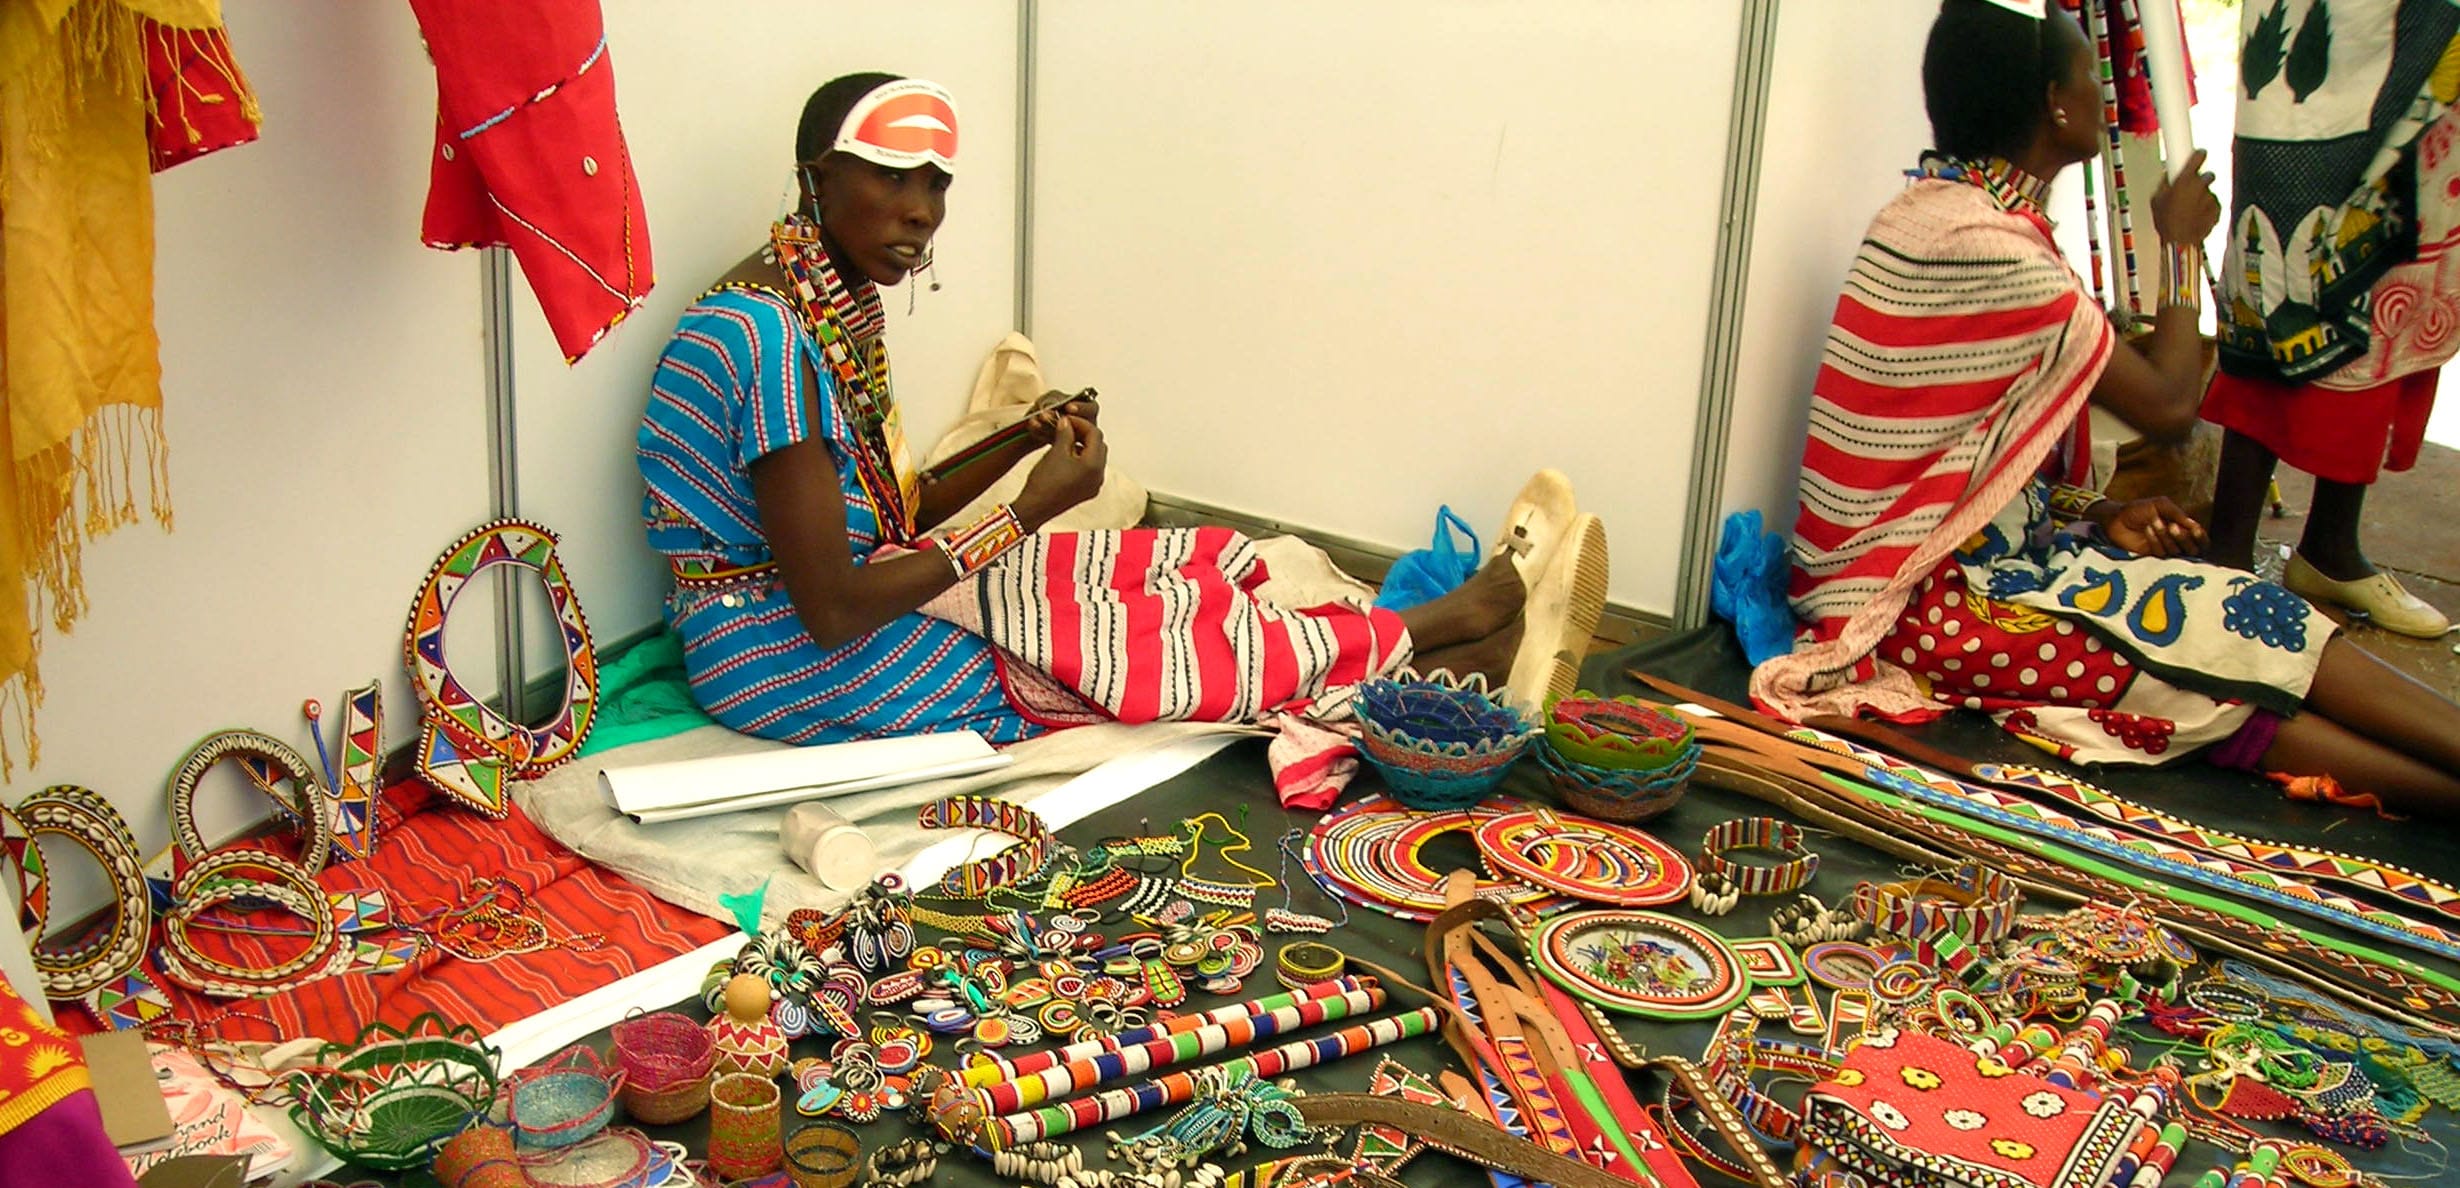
1598	861
1640	963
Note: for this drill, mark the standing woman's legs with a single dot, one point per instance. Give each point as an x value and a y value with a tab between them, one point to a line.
2238	497
2330	542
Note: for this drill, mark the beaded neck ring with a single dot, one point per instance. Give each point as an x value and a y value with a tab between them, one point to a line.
89	965
310	805
974	880
2013	189
1237	895
847	322
1599	861
247	877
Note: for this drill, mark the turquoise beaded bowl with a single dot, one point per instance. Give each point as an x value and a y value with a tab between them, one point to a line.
1441	742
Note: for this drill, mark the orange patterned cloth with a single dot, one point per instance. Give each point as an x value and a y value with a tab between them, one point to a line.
39	1065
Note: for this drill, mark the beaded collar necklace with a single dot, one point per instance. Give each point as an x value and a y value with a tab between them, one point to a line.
848	323
2013	189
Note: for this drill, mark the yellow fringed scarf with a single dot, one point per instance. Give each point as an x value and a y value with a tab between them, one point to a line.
80	371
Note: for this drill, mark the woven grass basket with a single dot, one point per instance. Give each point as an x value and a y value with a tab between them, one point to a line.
665	1060
391	1098
561	1101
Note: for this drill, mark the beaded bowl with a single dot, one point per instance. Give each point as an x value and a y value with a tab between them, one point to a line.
665	1060
1615	794
561	1101
1622	733
1442	742
390	1098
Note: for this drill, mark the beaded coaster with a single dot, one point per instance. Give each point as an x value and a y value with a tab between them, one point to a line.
1639	963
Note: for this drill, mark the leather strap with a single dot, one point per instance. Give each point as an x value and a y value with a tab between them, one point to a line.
1459	1135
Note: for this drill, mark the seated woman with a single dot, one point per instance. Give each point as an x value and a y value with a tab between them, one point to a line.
1938	561
782	494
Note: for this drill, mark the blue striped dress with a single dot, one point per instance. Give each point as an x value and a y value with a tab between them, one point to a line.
728	390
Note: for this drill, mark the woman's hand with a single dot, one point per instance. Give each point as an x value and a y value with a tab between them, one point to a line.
1069	474
1043	426
2183	209
2149	527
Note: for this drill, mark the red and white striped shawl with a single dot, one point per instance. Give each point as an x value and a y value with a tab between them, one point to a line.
1963	349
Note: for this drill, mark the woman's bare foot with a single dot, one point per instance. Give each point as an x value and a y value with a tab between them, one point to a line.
1487	603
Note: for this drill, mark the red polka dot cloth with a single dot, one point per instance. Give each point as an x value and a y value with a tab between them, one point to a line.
1912	1109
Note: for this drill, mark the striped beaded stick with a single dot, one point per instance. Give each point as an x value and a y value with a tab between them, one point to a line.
1111	1105
987	1069
2164	1156
2097	18
1007	1097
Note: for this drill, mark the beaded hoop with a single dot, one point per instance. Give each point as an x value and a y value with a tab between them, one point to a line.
1640	963
1597	861
216	880
310	803
1783	838
466	748
976	879
73	970
1358	852
1842	965
1305	963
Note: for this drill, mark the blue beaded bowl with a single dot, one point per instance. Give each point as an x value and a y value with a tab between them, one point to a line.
1616	794
1441	742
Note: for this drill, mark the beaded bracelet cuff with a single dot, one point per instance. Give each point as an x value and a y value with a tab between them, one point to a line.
1783	838
976	879
971	548
2072	503
2182	277
1976	902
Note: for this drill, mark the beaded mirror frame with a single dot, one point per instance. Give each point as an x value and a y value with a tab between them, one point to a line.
1640	963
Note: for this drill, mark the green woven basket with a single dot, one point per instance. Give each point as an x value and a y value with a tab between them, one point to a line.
388	1099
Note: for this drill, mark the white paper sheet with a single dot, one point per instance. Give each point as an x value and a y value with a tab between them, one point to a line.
655	792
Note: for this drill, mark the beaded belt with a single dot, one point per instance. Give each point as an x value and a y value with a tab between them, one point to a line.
719	579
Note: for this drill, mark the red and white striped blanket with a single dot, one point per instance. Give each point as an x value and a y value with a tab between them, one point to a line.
1962	351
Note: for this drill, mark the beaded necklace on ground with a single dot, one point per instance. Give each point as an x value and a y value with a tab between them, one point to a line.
2013	189
848	323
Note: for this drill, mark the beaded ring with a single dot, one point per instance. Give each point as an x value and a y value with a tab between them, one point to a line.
1783	838
216	881
73	970
466	748
311	804
976	879
1358	853
1842	965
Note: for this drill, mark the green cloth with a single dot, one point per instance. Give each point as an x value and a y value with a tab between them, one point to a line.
642	694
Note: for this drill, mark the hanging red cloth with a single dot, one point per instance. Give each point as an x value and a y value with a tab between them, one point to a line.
529	155
199	102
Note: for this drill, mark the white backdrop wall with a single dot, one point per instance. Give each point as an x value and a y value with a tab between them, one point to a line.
322	385
709	109
1844	122
1337	264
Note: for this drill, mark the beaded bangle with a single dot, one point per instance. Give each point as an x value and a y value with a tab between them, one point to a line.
1305	963
1783	838
2073	503
74	970
977	879
972	548
311	805
1975	902
2182	276
219	879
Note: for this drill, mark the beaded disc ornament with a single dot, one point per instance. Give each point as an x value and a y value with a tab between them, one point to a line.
1598	861
1639	963
1369	854
466	748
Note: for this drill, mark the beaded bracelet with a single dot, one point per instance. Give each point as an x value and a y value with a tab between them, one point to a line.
2073	503
974	880
1975	902
974	547
2182	275
1713	893
242	876
1783	838
1305	963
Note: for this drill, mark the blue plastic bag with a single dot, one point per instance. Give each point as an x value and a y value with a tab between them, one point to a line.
1747	587
1434	571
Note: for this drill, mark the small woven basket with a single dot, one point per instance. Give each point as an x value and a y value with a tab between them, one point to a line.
562	1101
392	1097
743	1126
664	1059
1608	794
1622	733
1441	742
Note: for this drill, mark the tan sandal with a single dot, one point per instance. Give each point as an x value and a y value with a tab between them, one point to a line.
1565	603
2379	596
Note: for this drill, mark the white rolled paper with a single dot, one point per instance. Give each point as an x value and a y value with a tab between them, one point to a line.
2165	60
653	792
836	851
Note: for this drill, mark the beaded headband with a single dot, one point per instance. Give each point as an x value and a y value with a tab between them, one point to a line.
902	125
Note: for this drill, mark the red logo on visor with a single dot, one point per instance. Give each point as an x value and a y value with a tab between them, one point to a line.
920	124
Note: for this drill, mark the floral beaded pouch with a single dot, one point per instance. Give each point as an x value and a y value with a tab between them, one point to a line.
1912	1110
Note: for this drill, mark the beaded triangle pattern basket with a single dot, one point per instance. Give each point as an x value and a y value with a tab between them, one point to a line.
1441	741
388	1099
